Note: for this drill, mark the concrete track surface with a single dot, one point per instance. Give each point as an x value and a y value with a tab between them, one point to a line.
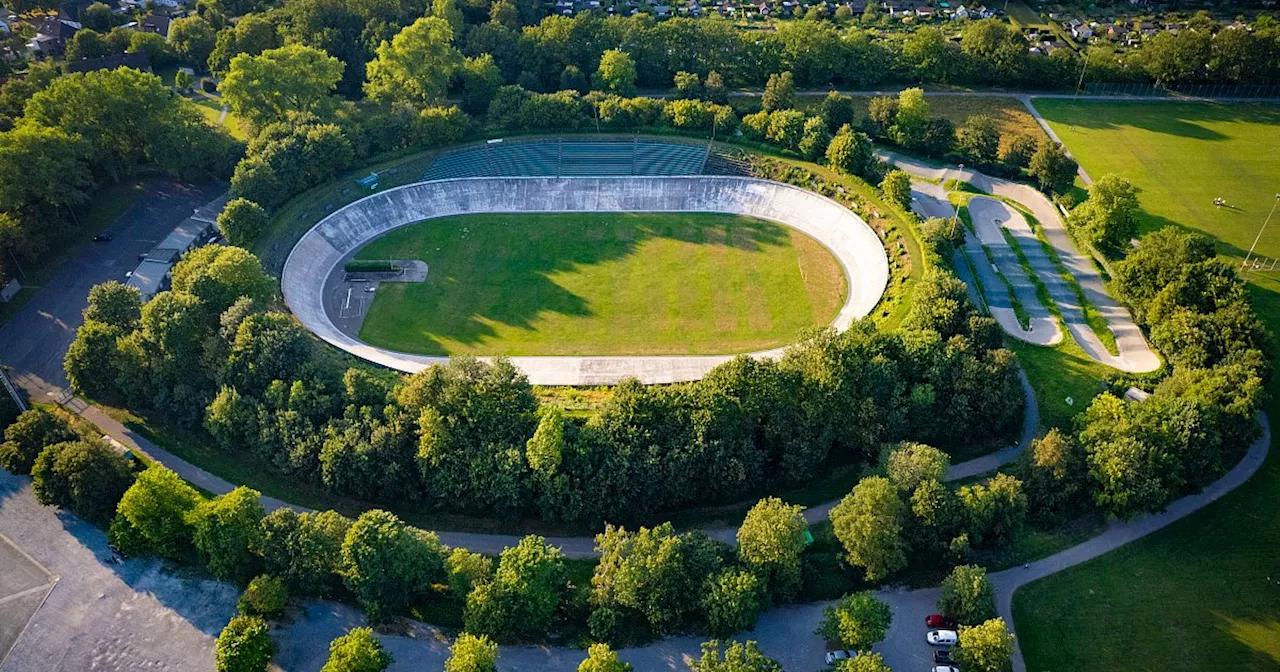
326	245
1135	355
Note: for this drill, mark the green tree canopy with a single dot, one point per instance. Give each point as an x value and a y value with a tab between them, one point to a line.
986	647
241	221
226	530
770	541
521	601
967	595
415	65
85	477
736	657
244	646
600	658
115	304
617	73
868	522
156	507
270	86
1109	219
387	564
27	437
472	654
857	622
909	464
357	651
219	275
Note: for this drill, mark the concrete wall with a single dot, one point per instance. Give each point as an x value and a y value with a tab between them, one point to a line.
317	254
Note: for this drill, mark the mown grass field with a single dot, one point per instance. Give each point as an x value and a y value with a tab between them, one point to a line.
1203	593
602	284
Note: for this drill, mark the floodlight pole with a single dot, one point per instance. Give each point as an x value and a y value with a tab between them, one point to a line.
1080	83
1259	236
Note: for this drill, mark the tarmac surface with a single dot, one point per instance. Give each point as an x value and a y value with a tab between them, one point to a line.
34	341
1135	354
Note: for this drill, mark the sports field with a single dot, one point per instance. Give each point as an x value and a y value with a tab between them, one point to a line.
602	284
1203	594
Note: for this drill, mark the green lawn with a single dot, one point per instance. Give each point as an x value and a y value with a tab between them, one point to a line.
602	284
1195	596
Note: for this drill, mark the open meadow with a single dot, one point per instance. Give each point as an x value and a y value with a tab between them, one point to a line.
1203	594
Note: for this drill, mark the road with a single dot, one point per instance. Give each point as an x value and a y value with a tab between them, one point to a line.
34	341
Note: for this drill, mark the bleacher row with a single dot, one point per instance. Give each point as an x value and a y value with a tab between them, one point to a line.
569	158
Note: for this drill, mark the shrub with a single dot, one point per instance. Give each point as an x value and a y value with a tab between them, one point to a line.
472	654
86	477
265	597
244	646
357	651
242	221
967	595
857	622
28	436
156	508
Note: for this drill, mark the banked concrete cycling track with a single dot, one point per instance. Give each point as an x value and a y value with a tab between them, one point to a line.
330	242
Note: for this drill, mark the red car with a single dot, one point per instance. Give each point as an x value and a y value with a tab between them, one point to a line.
939	621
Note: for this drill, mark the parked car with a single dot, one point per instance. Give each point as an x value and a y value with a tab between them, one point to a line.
102	238
942	637
834	657
942	656
939	621
945	668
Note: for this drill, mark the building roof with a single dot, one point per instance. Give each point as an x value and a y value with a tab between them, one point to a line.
149	277
158	24
184	236
55	26
137	60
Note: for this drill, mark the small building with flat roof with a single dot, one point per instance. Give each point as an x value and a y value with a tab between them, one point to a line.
150	277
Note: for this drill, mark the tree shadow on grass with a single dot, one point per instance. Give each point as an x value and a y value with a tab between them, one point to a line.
499	269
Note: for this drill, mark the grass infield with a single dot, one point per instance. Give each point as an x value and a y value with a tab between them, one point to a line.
1202	593
602	284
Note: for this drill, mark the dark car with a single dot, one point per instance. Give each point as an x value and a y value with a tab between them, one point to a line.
939	621
942	656
102	238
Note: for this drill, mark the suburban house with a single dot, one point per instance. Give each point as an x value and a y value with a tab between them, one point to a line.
157	24
137	61
52	35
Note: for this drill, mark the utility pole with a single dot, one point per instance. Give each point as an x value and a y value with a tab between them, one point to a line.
956	217
1245	263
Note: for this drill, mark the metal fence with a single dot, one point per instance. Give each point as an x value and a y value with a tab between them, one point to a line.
1181	90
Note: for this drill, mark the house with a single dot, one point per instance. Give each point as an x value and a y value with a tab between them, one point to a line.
157	24
1082	33
960	13
925	12
52	35
137	60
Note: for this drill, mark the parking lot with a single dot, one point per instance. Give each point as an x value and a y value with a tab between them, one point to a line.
24	585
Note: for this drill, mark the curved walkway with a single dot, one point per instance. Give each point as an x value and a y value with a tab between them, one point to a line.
136	597
319	252
1136	356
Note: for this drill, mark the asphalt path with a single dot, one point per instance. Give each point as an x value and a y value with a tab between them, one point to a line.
34	341
142	614
1135	354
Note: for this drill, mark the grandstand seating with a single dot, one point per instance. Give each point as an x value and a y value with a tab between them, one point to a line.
568	158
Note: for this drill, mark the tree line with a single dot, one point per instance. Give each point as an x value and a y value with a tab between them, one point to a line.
207	353
64	137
